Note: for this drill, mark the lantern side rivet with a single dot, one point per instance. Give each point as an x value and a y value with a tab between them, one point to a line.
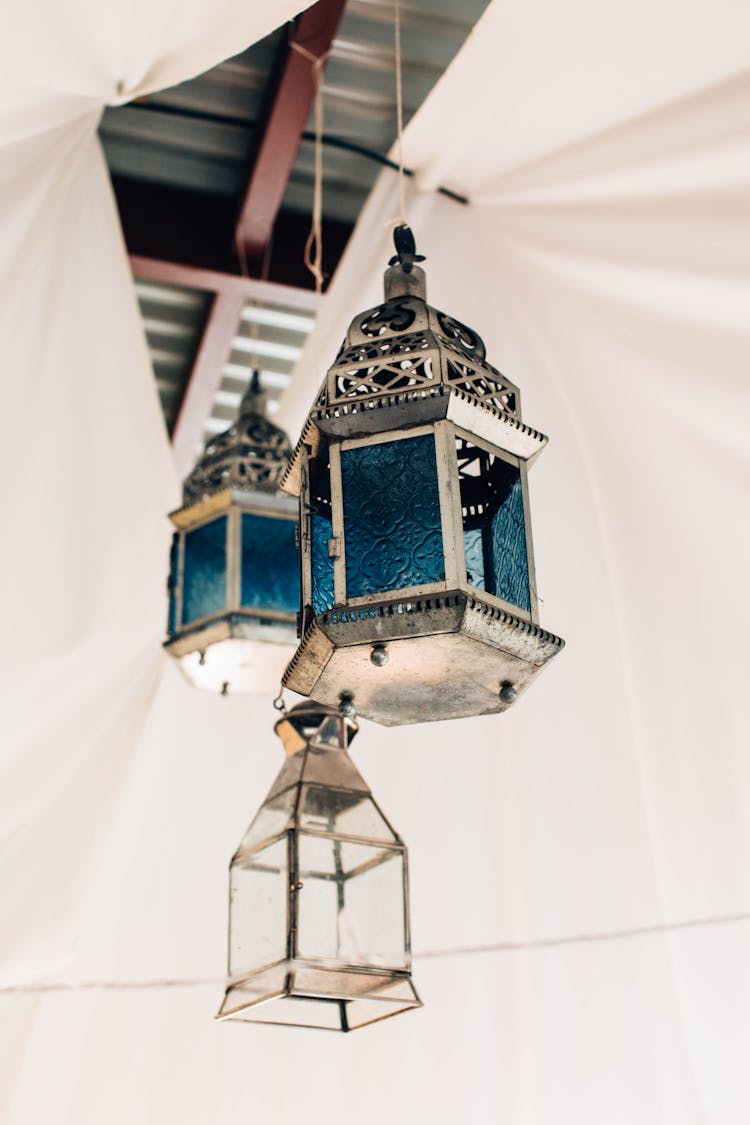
346	705
379	656
507	691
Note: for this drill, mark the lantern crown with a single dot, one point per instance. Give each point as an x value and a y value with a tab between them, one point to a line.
252	454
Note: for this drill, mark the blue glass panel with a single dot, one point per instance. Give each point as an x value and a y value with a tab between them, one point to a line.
322	564
474	550
204	586
392	528
174	555
508	538
269	566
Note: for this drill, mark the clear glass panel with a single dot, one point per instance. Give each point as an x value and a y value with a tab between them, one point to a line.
392	526
351	902
272	817
258	909
344	812
331	733
494	526
174	557
269	573
204	585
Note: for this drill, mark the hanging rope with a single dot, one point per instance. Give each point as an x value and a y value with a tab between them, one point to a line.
253	302
314	244
399	115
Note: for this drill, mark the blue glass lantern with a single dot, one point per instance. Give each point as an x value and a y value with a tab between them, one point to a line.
418	590
318	907
234	581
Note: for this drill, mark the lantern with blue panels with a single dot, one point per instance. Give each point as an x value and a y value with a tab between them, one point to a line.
418	590
234	582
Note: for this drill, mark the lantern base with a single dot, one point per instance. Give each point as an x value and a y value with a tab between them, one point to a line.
300	994
447	657
247	655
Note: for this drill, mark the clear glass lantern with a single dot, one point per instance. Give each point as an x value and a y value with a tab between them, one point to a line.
418	587
318	909
234	576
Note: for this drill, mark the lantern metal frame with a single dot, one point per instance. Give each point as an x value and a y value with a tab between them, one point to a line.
331	983
454	648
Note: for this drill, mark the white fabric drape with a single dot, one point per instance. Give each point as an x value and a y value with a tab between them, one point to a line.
560	853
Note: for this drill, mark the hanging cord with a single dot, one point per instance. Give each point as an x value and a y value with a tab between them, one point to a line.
634	932
399	115
314	244
264	272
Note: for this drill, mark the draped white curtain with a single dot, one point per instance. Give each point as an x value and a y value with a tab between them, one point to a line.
580	889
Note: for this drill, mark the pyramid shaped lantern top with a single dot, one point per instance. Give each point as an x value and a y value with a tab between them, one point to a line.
418	586
251	454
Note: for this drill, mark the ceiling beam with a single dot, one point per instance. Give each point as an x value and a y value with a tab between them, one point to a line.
287	115
174	225
229	284
205	378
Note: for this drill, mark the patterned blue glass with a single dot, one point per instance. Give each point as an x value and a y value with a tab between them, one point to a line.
322	564
204	584
392	527
508	544
474	551
269	567
174	555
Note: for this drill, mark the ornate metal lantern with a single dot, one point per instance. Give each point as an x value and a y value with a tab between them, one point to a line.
418	590
234	581
319	919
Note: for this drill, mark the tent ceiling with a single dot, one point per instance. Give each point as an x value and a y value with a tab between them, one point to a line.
180	161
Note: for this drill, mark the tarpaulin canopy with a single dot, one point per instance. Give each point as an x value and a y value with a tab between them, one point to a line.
580	889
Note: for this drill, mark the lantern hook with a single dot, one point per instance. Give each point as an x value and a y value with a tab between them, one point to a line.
406	248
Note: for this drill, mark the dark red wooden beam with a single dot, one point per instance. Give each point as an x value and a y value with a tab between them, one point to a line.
285	122
227	284
231	293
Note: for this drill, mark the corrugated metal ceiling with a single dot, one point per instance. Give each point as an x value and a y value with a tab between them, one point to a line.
200	136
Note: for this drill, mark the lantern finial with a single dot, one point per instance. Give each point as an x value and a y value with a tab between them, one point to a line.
403	278
254	400
406	248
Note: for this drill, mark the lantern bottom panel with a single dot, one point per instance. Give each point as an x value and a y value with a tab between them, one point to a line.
248	656
301	994
447	657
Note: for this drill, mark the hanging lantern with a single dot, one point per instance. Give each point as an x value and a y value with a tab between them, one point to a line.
418	590
318	910
234	581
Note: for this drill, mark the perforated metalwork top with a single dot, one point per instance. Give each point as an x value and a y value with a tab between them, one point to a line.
251	454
